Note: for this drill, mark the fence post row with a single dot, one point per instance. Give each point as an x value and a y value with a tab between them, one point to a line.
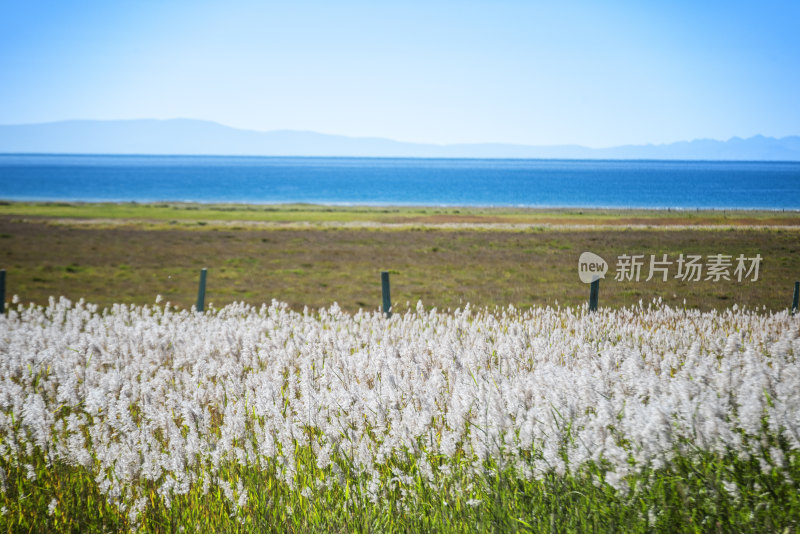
387	299
594	293
201	291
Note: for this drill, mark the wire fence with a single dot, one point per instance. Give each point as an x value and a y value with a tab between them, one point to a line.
386	300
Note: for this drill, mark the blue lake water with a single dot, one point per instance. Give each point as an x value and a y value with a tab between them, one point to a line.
375	181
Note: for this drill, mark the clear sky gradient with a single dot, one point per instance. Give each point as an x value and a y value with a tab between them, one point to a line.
542	73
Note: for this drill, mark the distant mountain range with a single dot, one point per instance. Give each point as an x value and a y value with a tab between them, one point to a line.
194	137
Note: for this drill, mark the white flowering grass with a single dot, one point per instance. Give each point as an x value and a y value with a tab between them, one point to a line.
247	419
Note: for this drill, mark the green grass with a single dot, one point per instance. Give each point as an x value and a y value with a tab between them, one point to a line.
686	496
306	213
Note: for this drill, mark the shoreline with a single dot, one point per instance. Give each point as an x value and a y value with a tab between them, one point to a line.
243	204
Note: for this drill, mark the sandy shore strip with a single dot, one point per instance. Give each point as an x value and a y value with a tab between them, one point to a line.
453	226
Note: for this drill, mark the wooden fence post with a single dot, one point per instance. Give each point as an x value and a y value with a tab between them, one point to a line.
201	291
2	290
387	299
594	294
796	298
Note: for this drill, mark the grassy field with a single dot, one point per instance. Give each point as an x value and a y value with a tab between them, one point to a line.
315	255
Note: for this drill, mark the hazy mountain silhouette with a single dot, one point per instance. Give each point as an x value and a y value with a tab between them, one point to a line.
194	137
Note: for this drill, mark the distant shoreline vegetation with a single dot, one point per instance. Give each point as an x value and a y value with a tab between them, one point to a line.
392	215
235	205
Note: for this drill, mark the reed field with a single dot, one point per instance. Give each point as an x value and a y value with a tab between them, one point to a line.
244	419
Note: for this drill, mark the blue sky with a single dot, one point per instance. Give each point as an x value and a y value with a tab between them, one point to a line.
543	73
